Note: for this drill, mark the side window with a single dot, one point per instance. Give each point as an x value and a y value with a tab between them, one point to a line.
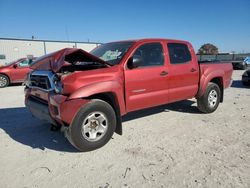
178	53
24	63
151	53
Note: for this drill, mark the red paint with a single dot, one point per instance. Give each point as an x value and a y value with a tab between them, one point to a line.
54	61
67	108
15	73
134	89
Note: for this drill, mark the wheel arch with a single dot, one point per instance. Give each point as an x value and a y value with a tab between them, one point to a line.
111	99
214	77
108	91
219	82
1	73
9	80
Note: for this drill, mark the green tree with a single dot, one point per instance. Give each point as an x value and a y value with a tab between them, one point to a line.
208	49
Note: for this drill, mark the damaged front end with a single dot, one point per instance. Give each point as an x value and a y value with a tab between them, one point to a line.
44	85
65	57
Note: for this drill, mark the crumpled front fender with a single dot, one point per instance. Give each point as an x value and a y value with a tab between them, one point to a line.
101	87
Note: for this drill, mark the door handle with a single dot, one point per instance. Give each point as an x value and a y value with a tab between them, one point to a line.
164	73
193	70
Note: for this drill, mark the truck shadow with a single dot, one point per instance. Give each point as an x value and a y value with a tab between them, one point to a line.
19	124
23	128
182	106
238	84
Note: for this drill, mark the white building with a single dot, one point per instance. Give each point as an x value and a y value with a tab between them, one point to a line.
12	49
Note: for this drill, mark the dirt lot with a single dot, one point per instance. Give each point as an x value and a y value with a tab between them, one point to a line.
170	146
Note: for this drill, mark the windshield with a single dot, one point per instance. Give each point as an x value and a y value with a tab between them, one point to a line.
112	52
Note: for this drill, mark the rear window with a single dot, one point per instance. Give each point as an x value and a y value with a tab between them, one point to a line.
178	53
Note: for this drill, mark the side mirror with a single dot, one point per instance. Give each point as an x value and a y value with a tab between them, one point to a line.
15	66
135	62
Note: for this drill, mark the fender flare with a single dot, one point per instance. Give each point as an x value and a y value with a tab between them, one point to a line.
206	78
113	87
94	88
3	73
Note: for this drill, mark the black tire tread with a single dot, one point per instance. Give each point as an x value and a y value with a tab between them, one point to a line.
202	102
75	136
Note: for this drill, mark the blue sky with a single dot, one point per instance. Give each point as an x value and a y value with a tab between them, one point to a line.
225	23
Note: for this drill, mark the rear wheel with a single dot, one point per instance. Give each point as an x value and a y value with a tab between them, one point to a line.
4	81
209	102
93	126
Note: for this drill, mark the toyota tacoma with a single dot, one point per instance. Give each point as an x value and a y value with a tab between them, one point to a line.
86	94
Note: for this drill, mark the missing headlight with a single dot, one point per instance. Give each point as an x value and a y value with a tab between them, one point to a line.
58	85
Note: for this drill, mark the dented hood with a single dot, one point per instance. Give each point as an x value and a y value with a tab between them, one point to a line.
54	61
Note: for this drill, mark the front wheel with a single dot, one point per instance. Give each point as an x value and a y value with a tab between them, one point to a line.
209	102
93	126
4	81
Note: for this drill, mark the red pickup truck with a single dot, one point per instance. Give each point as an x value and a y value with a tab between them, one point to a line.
14	72
88	93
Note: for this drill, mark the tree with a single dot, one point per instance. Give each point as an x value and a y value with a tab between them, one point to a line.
208	49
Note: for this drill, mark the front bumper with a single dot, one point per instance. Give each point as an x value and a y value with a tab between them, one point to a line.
39	110
52	108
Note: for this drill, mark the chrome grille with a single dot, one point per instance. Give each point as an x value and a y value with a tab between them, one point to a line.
41	80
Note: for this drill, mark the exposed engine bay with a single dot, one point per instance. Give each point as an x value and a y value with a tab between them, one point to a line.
77	61
79	66
69	60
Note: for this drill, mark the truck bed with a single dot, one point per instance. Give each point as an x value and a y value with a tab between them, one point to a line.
212	69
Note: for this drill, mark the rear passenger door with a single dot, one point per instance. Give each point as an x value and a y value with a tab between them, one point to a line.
183	68
146	85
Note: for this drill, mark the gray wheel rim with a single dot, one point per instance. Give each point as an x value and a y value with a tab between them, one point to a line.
3	81
212	98
94	126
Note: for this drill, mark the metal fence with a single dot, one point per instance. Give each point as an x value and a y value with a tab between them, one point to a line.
223	57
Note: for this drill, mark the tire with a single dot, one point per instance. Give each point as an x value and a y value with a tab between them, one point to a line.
4	81
93	126
209	102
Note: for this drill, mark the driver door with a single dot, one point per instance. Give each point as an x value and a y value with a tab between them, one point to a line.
146	86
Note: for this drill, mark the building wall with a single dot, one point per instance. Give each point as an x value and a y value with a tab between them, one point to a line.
13	49
87	47
54	46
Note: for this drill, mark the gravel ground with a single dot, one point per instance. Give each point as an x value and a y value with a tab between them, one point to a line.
169	146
